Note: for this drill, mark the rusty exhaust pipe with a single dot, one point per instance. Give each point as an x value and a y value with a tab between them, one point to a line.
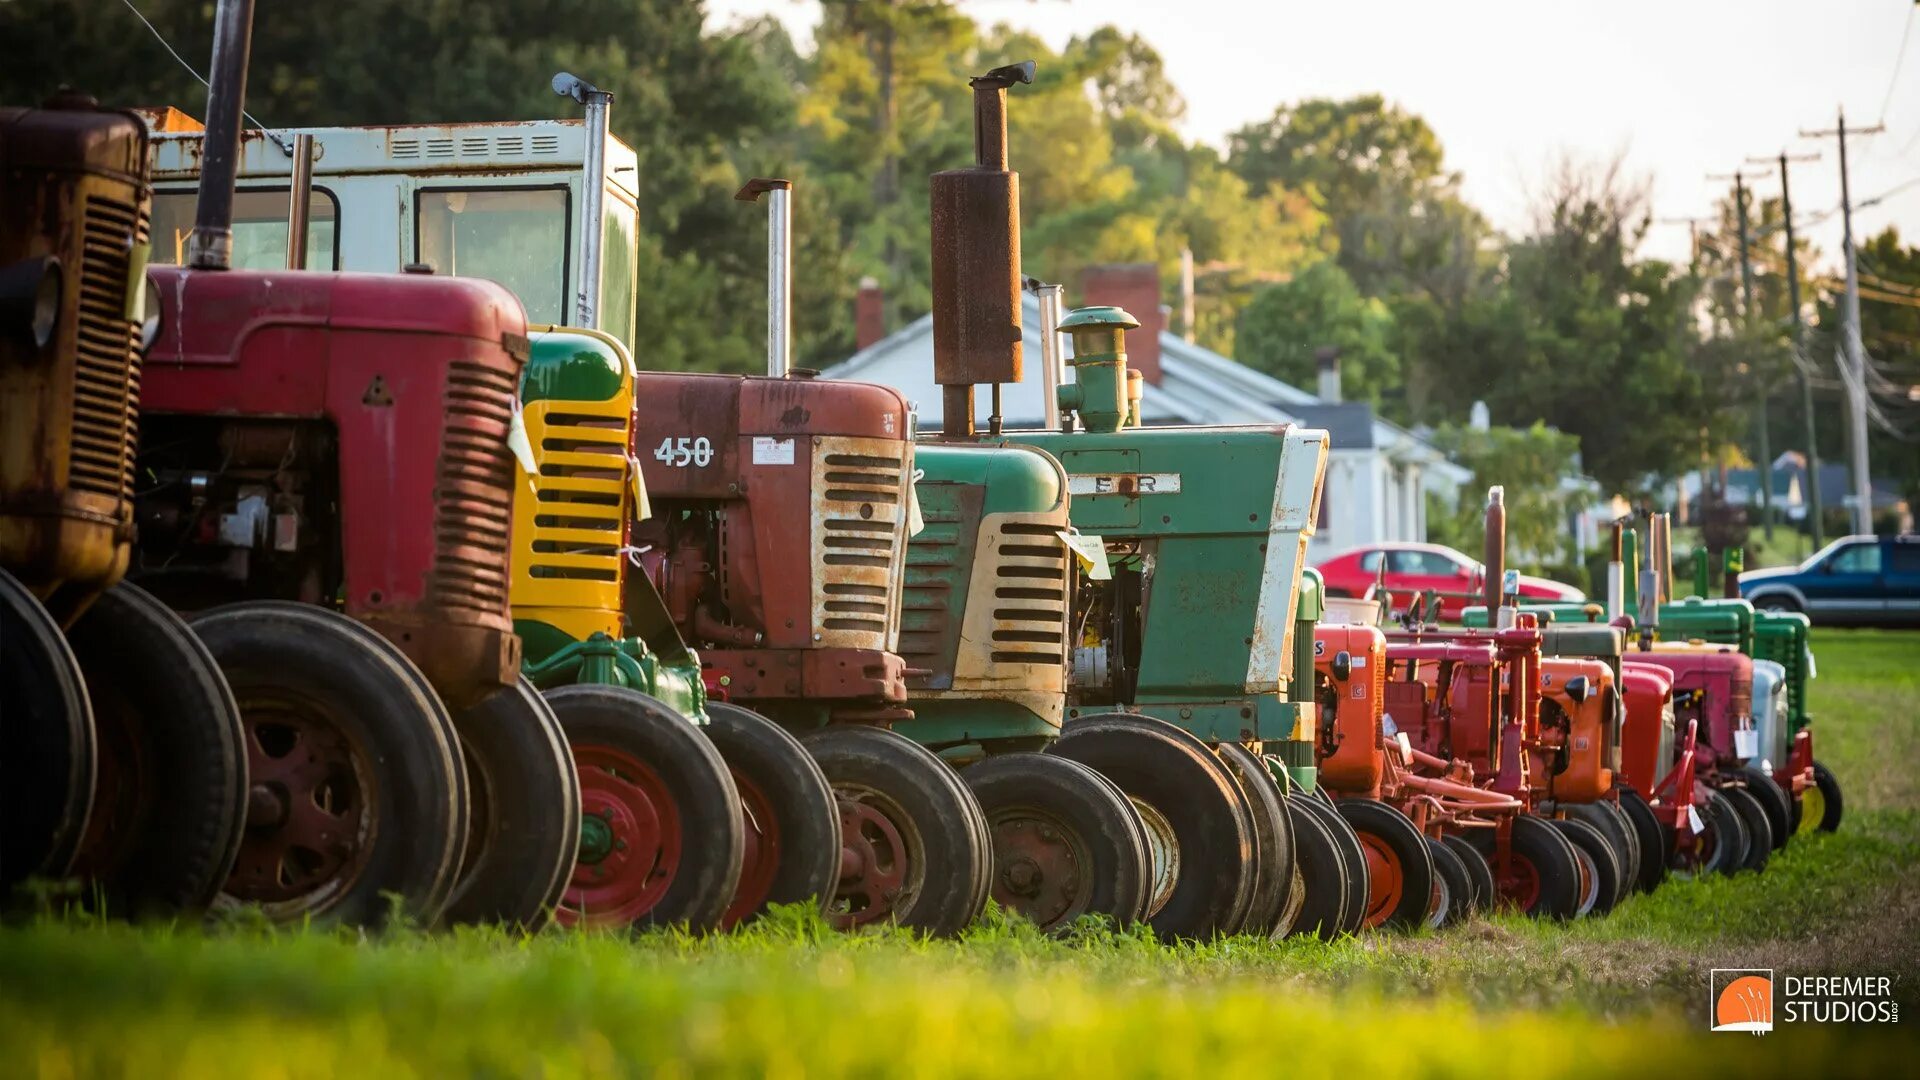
1493	555
779	268
210	247
299	201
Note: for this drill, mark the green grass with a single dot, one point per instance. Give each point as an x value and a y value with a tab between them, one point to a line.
1622	995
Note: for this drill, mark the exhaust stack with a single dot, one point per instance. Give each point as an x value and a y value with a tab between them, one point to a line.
210	247
593	196
1493	555
1051	369
1616	577
299	202
976	259
779	269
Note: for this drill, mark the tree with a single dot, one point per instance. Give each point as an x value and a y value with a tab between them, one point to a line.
1532	464
1283	328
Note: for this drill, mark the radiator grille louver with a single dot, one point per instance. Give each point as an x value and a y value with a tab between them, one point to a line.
106	372
1030	595
859	547
473	491
583	470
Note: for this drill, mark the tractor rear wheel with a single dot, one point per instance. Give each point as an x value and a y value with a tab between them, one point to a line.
1198	822
660	833
1721	846
1655	841
1064	843
1323	869
1452	894
790	820
1775	802
1759	832
171	803
1480	888
1541	876
523	832
1600	865
911	849
356	791
1605	819
1273	840
1399	863
47	749
1821	806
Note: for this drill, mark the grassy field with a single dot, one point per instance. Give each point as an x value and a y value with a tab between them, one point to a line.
1627	994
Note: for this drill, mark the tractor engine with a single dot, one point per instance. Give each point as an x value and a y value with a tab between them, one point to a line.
338	440
780	513
73	253
1574	756
1350	674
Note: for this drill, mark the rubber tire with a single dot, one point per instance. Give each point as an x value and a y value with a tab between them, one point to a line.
46	743
1077	801
1551	856
274	648
523	834
696	778
1776	803
1273	839
1829	786
1479	875
161	843
1455	891
1656	841
1359	874
1139	829
806	817
1759	830
1730	836
1323	868
1609	862
1407	846
1618	834
1171	771
954	847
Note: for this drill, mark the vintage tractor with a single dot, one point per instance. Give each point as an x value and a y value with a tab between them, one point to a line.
326	481
123	761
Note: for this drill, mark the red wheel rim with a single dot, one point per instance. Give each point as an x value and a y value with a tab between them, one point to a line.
310	808
761	859
1386	880
880	871
1039	868
629	840
1518	881
121	793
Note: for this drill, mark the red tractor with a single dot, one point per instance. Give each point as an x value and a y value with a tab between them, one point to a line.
326	483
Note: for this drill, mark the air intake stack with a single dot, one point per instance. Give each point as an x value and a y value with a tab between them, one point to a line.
976	260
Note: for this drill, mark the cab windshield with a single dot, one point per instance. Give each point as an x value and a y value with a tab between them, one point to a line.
259	228
515	236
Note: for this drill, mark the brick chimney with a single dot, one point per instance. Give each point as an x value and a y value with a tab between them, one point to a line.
1327	360
1135	287
869	313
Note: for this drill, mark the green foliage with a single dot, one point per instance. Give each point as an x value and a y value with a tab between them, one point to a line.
1286	324
1530	463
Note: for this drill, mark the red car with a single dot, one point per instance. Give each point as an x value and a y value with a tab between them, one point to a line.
1415	568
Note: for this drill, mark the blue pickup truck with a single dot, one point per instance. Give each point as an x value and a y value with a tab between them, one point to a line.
1858	580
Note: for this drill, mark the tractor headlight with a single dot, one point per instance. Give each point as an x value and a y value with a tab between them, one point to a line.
30	293
151	318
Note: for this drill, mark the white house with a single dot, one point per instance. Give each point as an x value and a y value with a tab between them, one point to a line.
1378	473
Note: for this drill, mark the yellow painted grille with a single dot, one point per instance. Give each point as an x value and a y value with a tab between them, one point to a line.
107	373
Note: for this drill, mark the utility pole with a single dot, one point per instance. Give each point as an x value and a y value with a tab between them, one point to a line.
1799	348
1763	468
1856	379
1693	239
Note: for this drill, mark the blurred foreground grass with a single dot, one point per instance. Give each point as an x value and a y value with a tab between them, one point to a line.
1622	995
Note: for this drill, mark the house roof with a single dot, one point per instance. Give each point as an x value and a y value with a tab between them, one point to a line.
1197	386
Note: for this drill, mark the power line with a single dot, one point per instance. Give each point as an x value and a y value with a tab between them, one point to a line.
171	51
1899	58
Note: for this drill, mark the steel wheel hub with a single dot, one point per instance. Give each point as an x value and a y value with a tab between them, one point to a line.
629	840
1040	867
309	814
875	862
1163	850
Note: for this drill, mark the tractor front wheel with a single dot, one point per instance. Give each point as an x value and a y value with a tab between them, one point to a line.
1323	869
1655	840
356	793
523	832
1606	819
171	804
1753	817
790	820
1064	843
1399	863
913	845
1821	806
660	833
1480	888
47	749
1198	822
1452	895
1540	875
1721	845
1777	804
1273	840
1600	865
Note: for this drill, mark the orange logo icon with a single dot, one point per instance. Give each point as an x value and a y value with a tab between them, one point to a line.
1743	1001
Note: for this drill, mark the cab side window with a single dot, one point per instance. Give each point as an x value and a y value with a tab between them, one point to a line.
1856	559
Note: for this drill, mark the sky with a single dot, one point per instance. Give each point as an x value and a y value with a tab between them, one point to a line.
1682	88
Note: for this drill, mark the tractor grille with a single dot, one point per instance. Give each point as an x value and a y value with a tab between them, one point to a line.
106	373
859	513
1030	594
1378	658
583	474
473	516
930	610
